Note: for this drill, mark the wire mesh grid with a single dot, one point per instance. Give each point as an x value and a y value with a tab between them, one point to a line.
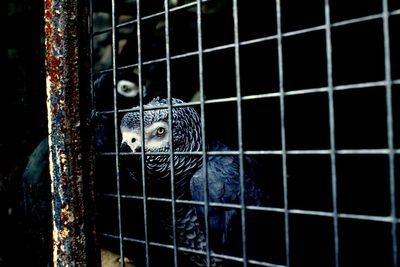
316	110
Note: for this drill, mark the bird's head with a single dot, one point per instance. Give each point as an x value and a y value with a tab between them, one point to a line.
184	131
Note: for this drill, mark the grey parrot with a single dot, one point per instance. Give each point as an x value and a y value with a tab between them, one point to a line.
189	178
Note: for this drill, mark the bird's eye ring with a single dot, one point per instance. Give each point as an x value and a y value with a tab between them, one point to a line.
160	131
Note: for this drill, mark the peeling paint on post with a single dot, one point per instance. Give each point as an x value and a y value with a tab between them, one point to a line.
62	29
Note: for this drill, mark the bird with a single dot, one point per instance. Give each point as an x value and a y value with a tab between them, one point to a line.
127	90
222	172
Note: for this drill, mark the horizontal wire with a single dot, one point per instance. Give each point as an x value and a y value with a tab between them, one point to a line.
263	96
364	217
247	42
284	34
153	15
357	20
377	151
188	250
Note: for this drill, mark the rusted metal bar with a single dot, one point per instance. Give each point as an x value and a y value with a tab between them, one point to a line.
71	168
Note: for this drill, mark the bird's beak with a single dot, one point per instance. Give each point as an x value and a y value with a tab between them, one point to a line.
135	147
124	147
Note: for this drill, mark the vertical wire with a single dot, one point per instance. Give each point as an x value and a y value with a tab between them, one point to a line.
328	42
389	122
283	134
141	113
240	134
114	45
203	130
170	137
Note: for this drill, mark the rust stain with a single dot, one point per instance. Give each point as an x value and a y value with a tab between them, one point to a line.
62	85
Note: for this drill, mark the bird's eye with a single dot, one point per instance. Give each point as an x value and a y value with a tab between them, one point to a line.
125	88
160	131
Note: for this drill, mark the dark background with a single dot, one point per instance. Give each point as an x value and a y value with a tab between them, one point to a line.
23	120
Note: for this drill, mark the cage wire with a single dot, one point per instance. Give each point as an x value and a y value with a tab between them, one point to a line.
310	91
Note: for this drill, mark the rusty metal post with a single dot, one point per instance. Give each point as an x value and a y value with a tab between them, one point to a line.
71	169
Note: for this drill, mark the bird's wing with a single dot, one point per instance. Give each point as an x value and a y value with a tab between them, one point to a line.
223	178
223	187
37	165
223	181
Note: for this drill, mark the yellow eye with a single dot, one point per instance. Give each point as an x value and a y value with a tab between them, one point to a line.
160	131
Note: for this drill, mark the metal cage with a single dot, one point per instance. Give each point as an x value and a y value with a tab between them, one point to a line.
308	90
